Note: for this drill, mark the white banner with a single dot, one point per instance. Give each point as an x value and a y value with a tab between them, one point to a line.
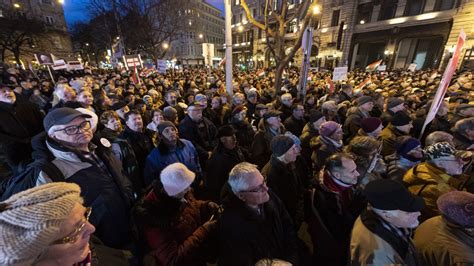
340	73
161	66
412	67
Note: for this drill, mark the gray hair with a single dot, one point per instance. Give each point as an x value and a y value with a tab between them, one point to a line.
438	136
286	96
239	176
328	105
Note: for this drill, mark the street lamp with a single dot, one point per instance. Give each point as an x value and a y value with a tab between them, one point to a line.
316	10
240	28
362	22
165	46
16	5
87	44
200	36
61	2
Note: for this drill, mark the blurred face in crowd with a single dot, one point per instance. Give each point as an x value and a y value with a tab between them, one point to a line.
122	111
298	112
338	134
405	128
76	133
468	112
215	103
195	113
291	154
69	94
261	112
72	245
114	124
252	98
443	109
401	219
135	122
257	192
451	165
7	95
274	122
157	117
416	152
203	102
229	142
376	133
317	123
330	108
286	99
397	108
85	98
347	173
171	98
367	106
241	116
239	99
170	134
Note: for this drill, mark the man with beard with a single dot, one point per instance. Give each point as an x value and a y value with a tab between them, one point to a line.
141	140
265	230
200	131
91	165
171	149
171	99
243	130
19	122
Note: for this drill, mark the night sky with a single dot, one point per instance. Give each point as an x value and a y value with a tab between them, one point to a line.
75	10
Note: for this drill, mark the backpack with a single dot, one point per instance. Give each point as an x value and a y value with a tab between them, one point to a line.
27	178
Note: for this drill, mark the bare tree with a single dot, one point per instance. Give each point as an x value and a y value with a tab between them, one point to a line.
18	32
275	23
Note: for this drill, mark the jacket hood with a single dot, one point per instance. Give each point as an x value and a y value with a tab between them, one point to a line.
40	150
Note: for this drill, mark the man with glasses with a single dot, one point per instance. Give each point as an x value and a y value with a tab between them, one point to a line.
254	225
439	174
91	165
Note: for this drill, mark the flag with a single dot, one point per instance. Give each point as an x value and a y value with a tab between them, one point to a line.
134	76
330	84
374	65
222	62
366	82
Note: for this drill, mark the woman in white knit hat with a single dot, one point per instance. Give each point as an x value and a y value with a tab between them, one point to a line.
45	225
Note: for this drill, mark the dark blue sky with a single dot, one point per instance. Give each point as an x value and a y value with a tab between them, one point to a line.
75	10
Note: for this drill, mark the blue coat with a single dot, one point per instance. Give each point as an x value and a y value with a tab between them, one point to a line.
162	156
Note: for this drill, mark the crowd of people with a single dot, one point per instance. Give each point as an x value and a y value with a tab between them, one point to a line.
97	168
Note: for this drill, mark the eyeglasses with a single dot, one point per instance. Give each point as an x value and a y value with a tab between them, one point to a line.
261	188
71	238
73	130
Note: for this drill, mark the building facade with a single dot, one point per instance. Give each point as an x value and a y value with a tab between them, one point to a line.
401	32
205	32
56	40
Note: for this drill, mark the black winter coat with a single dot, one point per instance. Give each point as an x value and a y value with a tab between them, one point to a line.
246	237
19	122
202	135
294	125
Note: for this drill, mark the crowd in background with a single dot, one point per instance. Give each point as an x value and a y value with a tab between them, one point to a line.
172	170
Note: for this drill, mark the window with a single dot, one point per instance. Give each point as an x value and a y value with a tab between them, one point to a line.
364	13
335	17
388	9
443	5
414	7
292	26
49	20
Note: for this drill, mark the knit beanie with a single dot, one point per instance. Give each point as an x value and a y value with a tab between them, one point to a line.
176	178
364	99
370	124
393	102
31	220
225	131
400	119
281	144
293	137
457	207
163	125
328	128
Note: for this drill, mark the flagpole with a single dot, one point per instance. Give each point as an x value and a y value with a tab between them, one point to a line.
51	75
228	47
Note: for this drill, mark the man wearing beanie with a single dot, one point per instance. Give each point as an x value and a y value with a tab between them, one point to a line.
408	154
91	164
176	227
382	233
170	149
283	178
225	156
448	239
439	174
30	221
400	126
310	131
326	144
394	105
353	120
371	127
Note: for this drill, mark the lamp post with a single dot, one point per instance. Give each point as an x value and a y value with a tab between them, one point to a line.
228	47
